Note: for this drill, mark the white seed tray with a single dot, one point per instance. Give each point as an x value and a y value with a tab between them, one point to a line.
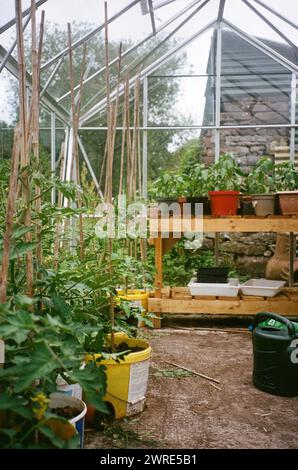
262	287
224	290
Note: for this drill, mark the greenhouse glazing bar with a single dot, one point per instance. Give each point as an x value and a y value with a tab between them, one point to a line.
183	128
293	116
12	47
262	47
88	35
53	154
276	13
272	26
161	61
217	91
145	136
10	23
134	47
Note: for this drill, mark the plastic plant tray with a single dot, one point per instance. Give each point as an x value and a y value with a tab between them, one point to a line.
224	290
262	287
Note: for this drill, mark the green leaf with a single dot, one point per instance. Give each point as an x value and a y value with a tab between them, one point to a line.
21	231
41	364
9	402
50	434
60	306
20	249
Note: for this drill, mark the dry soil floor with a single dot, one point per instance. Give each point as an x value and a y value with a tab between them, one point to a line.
188	412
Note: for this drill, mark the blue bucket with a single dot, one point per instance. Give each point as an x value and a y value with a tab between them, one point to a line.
60	400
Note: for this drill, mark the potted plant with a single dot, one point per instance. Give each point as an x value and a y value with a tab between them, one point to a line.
286	183
225	178
168	190
127	371
260	183
195	187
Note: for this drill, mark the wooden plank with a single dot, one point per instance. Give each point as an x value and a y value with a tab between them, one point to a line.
291	291
158	266
180	290
168	243
181	293
227	298
205	297
280	296
251	298
229	224
222	307
165	292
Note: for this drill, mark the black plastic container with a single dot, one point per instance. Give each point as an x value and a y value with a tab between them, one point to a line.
199	200
275	352
246	206
213	275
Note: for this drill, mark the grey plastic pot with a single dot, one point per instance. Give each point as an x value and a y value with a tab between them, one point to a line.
263	204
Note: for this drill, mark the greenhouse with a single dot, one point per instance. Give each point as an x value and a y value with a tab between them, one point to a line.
148	225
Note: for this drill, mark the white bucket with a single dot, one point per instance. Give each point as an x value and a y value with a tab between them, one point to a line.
72	390
60	400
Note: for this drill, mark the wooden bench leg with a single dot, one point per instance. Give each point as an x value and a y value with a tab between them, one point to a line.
156	321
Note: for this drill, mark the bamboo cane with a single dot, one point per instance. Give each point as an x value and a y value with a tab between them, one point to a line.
59	225
75	121
35	121
109	166
122	152
11	200
115	109
39	53
25	161
128	139
81	228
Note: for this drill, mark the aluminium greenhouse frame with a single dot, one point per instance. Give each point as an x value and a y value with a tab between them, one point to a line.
148	7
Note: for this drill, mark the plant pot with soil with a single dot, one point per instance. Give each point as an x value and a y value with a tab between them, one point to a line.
196	188
260	184
127	371
72	409
286	180
225	179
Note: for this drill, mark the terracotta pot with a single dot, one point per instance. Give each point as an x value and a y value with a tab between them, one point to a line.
224	202
288	202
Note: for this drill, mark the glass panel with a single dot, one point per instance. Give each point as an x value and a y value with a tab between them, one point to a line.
285	7
180	101
168	148
238	56
248	145
284	27
207	13
247	20
94	144
255	99
7	10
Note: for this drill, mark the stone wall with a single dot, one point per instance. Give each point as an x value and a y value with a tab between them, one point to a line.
248	145
248	253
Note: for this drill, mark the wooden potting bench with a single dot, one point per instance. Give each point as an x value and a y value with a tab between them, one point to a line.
179	300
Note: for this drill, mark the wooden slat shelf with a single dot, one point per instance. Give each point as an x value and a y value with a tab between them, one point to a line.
283	303
224	224
179	301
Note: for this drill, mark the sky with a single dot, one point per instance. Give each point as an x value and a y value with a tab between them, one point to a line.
135	26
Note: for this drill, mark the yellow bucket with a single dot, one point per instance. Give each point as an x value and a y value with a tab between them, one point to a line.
127	380
137	297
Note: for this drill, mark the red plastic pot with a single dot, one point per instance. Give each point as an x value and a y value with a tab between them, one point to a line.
224	202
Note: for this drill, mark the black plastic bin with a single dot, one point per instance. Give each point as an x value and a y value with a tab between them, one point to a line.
213	275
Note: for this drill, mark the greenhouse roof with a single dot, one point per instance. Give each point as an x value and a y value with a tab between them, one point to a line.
165	18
